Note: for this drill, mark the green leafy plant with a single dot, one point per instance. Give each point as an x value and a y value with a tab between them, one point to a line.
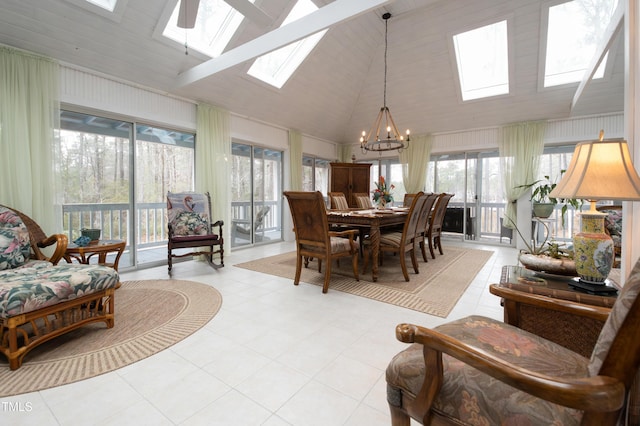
548	247
541	194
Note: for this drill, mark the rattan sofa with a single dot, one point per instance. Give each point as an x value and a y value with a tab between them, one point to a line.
40	299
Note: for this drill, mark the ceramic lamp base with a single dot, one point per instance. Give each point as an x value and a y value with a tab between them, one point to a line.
593	249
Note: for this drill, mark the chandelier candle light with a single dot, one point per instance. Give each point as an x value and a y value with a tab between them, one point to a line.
599	170
393	139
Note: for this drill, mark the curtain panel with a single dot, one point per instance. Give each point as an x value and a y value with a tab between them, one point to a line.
520	148
213	161
415	163
29	117
295	165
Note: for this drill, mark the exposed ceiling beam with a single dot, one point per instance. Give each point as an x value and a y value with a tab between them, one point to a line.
332	14
251	11
609	36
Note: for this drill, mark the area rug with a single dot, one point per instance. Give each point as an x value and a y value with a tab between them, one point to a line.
150	316
435	290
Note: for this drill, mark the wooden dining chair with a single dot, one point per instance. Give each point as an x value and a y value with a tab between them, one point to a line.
478	370
435	225
363	200
338	201
401	242
424	223
408	198
313	238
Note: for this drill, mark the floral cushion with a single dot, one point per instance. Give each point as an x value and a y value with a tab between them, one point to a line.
188	213
613	225
37	285
473	397
620	309
14	240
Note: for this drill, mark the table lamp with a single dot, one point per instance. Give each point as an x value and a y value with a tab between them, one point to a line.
599	170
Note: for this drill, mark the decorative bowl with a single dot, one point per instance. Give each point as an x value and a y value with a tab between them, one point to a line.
92	233
548	264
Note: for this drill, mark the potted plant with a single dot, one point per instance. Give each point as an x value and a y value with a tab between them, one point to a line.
543	203
550	256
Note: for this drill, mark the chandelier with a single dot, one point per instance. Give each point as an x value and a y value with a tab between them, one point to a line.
384	135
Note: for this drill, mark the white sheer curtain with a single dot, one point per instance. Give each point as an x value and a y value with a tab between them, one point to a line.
520	149
213	161
29	117
344	153
415	163
295	156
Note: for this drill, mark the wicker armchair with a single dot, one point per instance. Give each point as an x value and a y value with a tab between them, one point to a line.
39	240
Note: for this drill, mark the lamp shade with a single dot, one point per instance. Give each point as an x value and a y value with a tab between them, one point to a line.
600	170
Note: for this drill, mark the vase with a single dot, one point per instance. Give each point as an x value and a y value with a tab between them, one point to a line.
593	249
382	203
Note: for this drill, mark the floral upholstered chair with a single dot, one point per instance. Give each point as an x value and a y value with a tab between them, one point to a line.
189	223
479	371
613	226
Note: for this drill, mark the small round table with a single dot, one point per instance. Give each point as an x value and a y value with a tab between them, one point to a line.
98	247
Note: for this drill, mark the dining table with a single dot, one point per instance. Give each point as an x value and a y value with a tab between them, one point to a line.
374	220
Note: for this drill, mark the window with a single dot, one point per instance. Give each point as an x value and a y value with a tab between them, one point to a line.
574	31
216	23
276	67
110	9
483	61
315	174
391	169
96	170
105	4
256	195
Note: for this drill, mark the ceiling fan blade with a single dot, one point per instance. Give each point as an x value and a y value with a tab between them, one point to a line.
188	13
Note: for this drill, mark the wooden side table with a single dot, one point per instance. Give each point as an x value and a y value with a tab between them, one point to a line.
523	298
100	248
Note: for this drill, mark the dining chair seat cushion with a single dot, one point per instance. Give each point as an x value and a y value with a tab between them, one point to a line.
338	245
477	398
392	239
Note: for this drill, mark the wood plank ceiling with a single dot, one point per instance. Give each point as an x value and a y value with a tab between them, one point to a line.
337	91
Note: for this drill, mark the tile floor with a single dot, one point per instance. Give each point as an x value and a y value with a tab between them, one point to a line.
274	355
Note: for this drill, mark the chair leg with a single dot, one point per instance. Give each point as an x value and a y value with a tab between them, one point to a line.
439	245
403	264
424	251
414	261
169	264
327	276
433	254
399	417
354	264
296	280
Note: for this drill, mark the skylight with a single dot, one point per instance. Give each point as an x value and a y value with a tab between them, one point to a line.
575	29
276	67
483	61
105	4
216	23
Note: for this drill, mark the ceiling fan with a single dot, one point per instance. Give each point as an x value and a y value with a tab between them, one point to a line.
188	13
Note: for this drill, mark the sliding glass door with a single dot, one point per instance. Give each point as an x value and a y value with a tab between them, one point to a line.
115	176
256	195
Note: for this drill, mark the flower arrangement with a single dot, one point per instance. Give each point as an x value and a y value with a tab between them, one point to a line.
382	194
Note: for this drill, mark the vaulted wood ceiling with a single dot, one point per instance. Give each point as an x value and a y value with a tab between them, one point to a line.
337	91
